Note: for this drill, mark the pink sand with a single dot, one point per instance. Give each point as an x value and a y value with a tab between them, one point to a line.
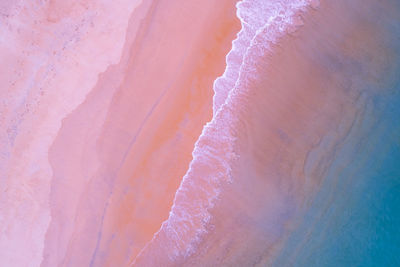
96	95
103	103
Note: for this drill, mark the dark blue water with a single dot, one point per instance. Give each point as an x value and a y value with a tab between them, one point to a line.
354	219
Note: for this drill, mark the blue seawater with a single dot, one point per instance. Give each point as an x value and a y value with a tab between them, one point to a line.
354	218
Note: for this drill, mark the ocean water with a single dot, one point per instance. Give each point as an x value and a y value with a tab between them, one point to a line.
300	164
215	155
354	218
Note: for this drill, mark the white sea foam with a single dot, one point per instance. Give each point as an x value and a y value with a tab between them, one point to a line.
263	23
254	15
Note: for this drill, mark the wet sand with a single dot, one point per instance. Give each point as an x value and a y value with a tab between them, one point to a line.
92	106
147	112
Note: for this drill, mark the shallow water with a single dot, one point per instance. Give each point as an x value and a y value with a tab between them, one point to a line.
285	174
354	218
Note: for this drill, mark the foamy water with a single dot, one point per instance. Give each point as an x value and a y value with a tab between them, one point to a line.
263	23
223	157
255	16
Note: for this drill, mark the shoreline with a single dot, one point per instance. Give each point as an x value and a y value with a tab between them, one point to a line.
301	91
144	119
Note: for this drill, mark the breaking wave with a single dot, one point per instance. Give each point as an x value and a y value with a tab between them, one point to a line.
263	22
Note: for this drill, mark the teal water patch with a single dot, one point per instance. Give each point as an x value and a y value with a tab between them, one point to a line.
354	219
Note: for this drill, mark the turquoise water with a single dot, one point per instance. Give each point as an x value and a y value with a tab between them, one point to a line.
355	218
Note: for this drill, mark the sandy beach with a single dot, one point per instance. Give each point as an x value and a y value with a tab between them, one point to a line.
103	189
196	133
